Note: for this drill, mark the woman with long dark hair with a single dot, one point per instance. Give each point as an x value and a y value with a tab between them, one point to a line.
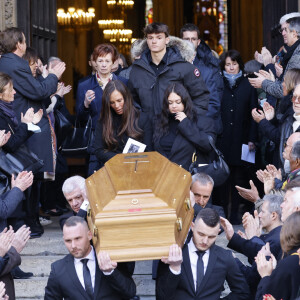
179	132
119	120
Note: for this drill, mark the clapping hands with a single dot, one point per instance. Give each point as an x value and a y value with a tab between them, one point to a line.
4	137
31	117
62	89
264	266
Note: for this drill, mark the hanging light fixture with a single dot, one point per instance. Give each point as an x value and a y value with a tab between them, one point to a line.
75	18
118	24
118	35
123	3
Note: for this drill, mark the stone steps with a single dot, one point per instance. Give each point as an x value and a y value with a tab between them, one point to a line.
39	253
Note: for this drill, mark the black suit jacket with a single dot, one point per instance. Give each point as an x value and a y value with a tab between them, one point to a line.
251	247
221	266
63	282
12	259
63	218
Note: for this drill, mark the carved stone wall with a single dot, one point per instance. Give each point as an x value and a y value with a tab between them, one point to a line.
8	13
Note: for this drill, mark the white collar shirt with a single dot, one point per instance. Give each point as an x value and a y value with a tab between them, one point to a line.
194	258
91	265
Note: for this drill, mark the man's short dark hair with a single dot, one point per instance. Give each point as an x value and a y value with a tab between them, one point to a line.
156	28
74	220
9	39
209	216
189	27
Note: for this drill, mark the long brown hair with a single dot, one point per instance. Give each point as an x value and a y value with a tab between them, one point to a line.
130	115
290	232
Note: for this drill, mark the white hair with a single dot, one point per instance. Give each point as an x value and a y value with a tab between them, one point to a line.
284	18
73	183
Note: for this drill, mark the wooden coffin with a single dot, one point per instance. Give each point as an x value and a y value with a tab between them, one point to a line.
139	206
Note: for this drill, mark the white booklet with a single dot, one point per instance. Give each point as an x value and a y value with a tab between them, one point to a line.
247	155
133	146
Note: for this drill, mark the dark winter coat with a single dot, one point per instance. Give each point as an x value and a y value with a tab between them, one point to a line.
19	133
190	136
284	281
238	125
101	148
148	89
278	132
34	93
208	66
91	83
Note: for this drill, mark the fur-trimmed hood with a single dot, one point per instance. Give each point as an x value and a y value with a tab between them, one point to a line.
185	48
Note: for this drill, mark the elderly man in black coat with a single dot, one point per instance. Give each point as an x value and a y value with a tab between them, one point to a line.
29	93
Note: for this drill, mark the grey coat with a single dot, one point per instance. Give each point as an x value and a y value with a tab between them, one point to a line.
274	88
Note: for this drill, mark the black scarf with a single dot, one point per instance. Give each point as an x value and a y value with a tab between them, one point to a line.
288	55
7	109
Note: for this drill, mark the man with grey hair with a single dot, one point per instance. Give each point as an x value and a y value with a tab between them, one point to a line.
75	194
290	31
249	245
201	189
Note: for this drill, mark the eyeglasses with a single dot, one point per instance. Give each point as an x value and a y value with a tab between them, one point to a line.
286	145
295	98
281	30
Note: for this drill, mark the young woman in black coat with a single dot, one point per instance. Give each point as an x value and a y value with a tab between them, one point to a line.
239	98
178	132
282	282
119	120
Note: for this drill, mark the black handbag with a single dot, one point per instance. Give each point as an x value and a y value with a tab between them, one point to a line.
62	128
218	170
4	184
20	160
78	140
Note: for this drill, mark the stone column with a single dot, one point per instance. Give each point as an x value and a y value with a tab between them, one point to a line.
8	13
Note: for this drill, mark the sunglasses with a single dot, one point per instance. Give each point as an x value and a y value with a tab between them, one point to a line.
295	98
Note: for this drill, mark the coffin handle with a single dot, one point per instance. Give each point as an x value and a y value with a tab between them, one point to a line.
179	224
95	231
187	202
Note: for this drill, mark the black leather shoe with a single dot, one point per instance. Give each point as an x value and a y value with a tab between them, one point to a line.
56	213
63	209
35	226
35	235
17	273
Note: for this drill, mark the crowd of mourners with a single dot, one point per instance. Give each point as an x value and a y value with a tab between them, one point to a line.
179	98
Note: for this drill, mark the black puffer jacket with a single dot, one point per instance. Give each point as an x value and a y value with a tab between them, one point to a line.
148	88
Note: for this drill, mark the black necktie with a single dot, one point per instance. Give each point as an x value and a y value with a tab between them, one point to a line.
87	279
200	267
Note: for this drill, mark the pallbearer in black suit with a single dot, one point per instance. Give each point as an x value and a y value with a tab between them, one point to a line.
199	270
79	276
